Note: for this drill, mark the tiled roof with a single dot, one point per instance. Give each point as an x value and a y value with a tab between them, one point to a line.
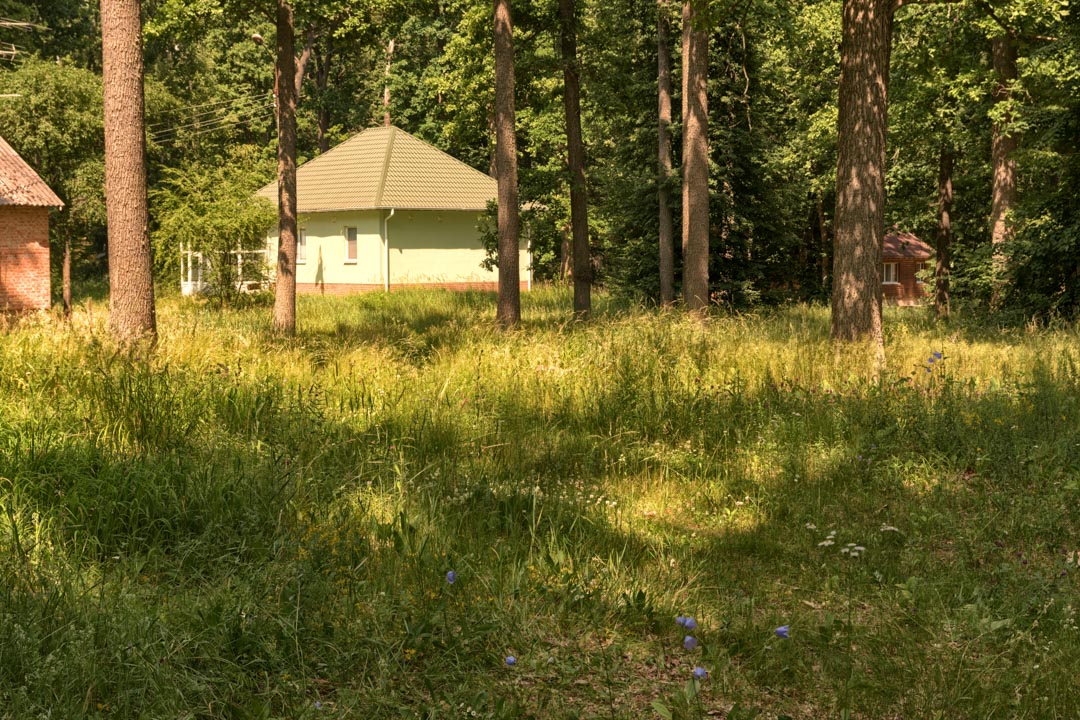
387	167
20	185
905	246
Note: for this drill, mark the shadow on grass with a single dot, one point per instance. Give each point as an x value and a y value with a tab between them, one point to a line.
261	530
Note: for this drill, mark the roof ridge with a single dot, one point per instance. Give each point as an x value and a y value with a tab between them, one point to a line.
383	167
443	152
381	187
318	158
24	190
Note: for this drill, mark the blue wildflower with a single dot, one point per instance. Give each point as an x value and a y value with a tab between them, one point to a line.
318	705
690	623
701	673
938	355
782	632
511	660
931	359
681	621
451	577
690	642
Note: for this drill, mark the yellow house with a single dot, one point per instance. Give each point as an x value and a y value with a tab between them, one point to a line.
386	210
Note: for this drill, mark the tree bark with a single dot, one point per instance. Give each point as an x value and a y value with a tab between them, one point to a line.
285	84
509	305
823	232
65	273
694	158
323	63
1004	144
944	233
131	286
859	222
575	151
667	233
386	82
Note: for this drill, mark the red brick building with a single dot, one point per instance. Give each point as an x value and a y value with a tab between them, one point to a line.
25	200
902	257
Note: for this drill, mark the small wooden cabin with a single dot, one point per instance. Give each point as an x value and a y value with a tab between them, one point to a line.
902	257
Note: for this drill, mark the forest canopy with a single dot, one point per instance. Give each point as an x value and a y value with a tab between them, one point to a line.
773	70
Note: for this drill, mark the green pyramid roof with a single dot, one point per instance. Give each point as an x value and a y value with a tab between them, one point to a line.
387	167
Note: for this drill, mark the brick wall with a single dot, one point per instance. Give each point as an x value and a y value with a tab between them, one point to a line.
909	291
24	258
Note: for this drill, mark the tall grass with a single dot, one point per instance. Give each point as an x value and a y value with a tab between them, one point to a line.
247	526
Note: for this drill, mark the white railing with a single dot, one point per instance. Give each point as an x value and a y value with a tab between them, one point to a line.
195	271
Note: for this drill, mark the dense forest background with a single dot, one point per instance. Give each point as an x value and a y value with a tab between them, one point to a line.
428	64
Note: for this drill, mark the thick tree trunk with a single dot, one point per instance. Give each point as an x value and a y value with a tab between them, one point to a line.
667	233
131	287
1003	150
286	85
944	233
509	304
859	223
575	151
695	159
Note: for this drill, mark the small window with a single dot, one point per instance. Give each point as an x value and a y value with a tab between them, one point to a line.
891	275
350	245
301	247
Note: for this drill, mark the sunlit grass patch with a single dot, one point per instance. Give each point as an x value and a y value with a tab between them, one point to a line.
244	526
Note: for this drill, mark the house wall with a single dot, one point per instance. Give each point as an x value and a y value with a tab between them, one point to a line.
908	291
427	248
25	283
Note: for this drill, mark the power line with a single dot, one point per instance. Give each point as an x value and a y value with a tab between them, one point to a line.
240	104
20	24
255	113
223	126
224	119
188	108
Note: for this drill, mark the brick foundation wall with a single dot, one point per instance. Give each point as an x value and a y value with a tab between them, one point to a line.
24	259
352	289
909	291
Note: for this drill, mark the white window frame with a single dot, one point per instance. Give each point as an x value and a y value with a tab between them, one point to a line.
895	273
301	246
355	248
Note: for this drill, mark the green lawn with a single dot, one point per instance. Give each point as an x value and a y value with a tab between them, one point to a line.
247	527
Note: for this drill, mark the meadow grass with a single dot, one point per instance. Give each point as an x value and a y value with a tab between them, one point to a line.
244	526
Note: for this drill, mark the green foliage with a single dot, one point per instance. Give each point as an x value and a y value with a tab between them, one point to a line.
772	95
211	209
1046	253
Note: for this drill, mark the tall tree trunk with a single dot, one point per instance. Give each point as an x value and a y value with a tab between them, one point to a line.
65	273
285	83
859	223
667	233
509	305
131	286
575	151
386	82
323	62
823	233
1005	142
944	233
695	158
